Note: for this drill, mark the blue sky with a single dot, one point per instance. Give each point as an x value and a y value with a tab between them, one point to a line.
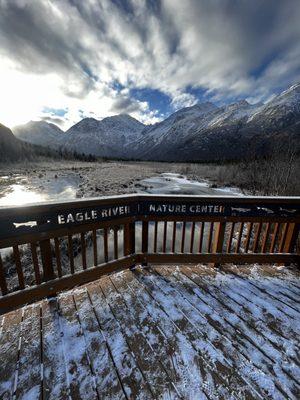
63	60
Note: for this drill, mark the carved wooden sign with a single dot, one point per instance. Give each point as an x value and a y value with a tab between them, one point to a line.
96	214
55	218
157	208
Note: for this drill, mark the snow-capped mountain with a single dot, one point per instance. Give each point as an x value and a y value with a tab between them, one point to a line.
110	137
227	132
41	133
199	133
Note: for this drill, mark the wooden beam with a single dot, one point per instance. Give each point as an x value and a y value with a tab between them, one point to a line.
55	286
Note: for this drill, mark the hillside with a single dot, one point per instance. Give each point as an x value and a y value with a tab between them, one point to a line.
110	137
203	132
13	149
41	133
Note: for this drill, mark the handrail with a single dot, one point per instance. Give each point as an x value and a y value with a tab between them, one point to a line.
72	242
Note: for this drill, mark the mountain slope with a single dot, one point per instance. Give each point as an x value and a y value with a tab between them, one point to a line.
41	133
202	132
109	137
11	149
230	132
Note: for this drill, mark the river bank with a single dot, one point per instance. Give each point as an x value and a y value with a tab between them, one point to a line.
45	181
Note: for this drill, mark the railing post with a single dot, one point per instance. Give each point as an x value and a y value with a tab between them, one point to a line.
46	255
219	239
48	271
145	241
129	239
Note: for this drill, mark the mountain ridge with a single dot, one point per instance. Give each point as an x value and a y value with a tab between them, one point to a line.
202	132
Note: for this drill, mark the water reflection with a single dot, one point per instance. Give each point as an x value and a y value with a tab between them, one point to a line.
19	192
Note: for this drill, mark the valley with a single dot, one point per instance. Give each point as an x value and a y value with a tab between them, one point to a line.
46	181
204	132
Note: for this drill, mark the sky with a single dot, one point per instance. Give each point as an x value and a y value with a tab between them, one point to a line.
64	60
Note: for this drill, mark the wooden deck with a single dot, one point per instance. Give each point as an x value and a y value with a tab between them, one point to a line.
159	333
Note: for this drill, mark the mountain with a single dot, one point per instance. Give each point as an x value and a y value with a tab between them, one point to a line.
234	131
110	137
11	149
203	132
41	133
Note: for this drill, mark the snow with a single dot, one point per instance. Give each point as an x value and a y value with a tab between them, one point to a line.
202	321
172	183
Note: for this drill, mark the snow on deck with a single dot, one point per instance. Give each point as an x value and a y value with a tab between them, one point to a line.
159	333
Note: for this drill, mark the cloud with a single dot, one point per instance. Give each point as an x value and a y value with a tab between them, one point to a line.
69	54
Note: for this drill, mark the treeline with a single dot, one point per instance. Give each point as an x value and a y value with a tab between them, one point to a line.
15	150
22	151
277	174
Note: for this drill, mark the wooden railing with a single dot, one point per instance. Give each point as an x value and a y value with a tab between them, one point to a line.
47	248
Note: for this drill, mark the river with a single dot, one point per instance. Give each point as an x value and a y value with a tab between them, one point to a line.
20	190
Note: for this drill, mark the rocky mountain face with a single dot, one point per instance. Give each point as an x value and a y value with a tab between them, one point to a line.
11	149
110	137
41	133
234	131
203	132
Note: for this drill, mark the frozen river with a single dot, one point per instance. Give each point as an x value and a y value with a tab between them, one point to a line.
22	189
170	183
19	190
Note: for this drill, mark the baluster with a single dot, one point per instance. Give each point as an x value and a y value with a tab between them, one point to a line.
266	237
219	240
155	237
3	284
19	266
116	244
83	250
174	237
283	237
192	237
183	236
105	242
165	237
35	263
46	254
228	249
210	235
291	237
256	238
248	237
95	247
57	256
274	238
201	235
70	253
238	243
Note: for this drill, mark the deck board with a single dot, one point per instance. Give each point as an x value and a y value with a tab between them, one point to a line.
29	371
150	364
184	356
80	377
159	332
132	378
264	371
55	384
9	352
214	367
106	377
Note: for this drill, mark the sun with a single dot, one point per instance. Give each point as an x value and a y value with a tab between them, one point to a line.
24	94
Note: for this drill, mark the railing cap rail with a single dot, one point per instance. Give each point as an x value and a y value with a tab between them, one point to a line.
35	207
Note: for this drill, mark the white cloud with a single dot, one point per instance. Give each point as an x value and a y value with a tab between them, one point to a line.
63	54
